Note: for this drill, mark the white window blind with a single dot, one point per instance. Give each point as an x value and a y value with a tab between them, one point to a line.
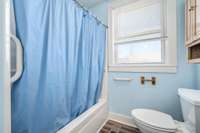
139	21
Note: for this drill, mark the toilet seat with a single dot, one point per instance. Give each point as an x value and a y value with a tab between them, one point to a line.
155	120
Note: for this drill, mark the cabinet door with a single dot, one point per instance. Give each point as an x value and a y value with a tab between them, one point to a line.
197	19
188	22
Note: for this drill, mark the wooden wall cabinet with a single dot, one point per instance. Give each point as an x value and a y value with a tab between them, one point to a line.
192	26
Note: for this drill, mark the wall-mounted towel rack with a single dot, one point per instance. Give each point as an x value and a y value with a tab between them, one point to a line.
123	79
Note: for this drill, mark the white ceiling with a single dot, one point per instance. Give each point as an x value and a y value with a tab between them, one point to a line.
90	3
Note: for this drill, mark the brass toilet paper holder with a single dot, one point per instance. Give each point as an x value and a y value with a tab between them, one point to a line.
152	80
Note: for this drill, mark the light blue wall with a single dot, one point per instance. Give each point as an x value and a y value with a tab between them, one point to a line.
1	94
1	90
101	11
123	97
198	76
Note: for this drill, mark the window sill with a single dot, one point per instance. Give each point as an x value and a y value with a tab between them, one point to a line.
152	69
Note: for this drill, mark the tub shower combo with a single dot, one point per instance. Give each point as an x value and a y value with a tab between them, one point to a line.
58	79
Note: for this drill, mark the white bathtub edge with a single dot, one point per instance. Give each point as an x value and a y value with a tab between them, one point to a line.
97	121
95	116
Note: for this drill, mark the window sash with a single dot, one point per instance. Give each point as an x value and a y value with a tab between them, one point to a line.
163	42
133	35
140	38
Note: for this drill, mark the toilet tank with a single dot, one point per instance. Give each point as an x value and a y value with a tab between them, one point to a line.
190	103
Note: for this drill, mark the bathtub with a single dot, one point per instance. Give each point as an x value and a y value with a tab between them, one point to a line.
90	121
94	118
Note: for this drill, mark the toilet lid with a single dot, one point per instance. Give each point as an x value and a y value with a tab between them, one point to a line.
154	118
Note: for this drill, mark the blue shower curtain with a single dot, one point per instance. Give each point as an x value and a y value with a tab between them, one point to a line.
64	51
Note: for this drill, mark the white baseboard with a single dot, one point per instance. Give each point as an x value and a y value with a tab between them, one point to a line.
121	118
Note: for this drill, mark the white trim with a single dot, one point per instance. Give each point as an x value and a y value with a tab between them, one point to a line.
140	38
5	64
141	35
127	120
104	92
155	69
171	46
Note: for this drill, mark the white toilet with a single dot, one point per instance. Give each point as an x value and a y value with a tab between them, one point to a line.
152	121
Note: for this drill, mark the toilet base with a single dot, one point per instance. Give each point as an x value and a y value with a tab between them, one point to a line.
181	128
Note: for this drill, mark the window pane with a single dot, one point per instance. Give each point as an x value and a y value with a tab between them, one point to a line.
139	52
139	20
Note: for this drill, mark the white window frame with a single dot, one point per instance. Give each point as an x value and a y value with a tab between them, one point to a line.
169	50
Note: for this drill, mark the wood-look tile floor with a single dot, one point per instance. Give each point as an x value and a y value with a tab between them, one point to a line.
116	127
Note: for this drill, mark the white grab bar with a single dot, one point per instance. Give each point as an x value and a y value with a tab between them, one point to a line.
123	79
19	59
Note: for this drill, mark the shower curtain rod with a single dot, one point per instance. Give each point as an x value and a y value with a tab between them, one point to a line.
84	8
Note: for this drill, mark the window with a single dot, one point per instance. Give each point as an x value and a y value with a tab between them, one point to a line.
139	52
141	36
